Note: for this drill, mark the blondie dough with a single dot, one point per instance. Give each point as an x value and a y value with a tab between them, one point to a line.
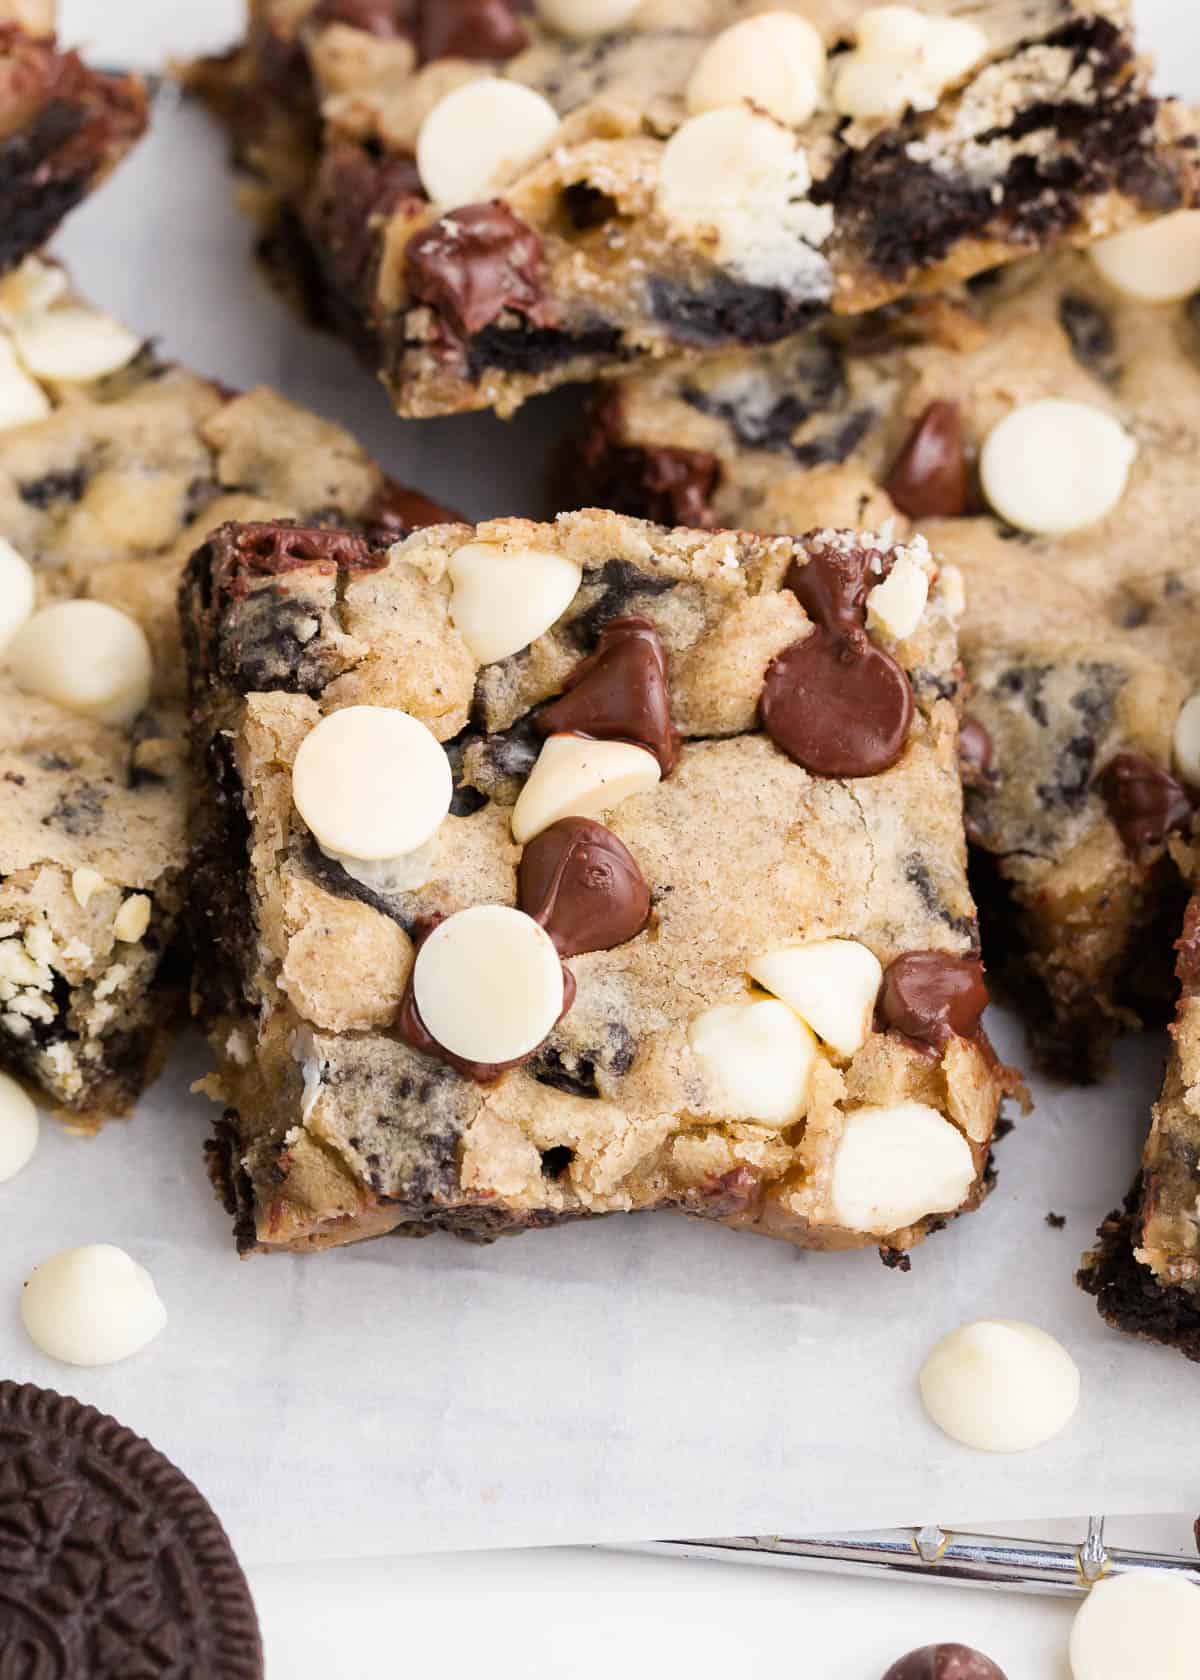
1080	631
489	199
113	466
674	916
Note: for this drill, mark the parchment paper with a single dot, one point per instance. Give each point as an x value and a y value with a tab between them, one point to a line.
613	1381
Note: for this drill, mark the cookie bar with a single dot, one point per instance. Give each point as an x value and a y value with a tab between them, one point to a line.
1145	1270
113	466
489	201
1080	630
558	870
63	127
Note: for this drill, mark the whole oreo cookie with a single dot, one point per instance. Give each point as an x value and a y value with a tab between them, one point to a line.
112	1565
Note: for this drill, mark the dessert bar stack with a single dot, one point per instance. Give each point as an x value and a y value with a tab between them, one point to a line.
531	871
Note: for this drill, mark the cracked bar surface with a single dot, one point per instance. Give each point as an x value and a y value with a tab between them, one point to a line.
105	496
340	1122
577	264
1080	649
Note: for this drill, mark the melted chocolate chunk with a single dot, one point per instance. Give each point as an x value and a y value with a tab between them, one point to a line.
346	215
930	997
473	264
243	553
619	693
469	29
415	1033
668	485
1144	802
385	18
395	512
583	886
930	478
832	587
944	1662
976	753
837	705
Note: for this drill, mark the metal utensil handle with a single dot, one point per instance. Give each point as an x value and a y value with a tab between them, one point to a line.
931	1553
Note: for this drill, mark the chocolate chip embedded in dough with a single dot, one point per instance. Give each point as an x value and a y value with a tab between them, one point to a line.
619	693
976	753
581	883
1144	802
476	29
832	586
474	263
930	478
837	705
931	997
385	18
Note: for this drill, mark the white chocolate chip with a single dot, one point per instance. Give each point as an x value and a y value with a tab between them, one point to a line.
85	884
583	18
1000	1385
1139	1626
30	289
371	782
736	183
132	919
896	604
832	984
91	1306
479	136
404	873
22	400
488	983
1156	263
953	590
774	61
1185	744
757	1058
904	58
1054	466
87	657
578	777
73	345
503	597
18	1128
897	1164
18	591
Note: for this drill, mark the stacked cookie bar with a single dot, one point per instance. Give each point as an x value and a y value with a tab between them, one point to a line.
552	871
488	200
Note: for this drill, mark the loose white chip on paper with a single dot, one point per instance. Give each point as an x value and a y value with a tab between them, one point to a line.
1000	1385
578	777
897	1164
1185	743
757	1059
897	604
488	983
18	591
504	597
22	400
904	58
91	1306
1138	1626
1158	262
18	1128
583	18
371	782
478	137
832	984
774	61
1054	466
736	183
74	345
88	657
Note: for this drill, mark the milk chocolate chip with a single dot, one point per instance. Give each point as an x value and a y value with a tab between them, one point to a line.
930	478
944	1662
976	753
469	29
474	263
832	587
931	997
619	693
1144	802
584	887
837	705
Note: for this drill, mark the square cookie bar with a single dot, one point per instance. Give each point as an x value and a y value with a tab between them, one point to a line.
113	466
549	871
489	200
1145	1269
1080	633
63	127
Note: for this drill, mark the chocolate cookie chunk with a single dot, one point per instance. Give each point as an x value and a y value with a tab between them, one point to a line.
112	1565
